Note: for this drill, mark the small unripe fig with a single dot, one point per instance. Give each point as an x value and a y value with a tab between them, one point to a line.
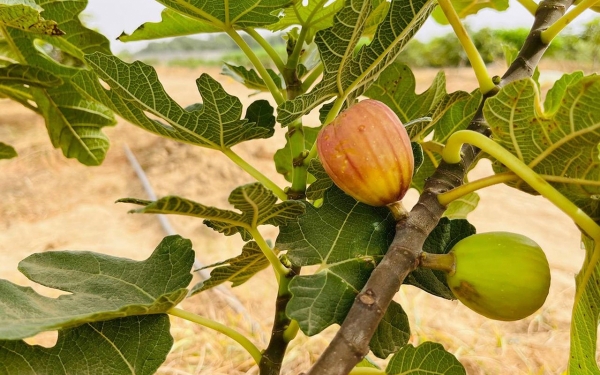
500	275
367	153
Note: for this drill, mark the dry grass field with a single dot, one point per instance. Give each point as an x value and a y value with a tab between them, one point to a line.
50	203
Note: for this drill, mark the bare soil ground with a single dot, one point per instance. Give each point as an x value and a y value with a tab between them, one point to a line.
51	203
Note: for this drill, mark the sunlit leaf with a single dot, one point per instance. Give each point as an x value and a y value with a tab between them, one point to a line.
136	91
237	270
249	77
453	113
586	314
468	7
101	287
428	358
461	207
74	123
257	205
560	143
396	88
25	15
312	16
172	24
346	72
225	14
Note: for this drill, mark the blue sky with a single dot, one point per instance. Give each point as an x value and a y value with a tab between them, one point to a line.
112	17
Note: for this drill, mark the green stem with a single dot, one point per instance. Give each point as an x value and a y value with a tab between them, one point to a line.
280	270
483	77
294	57
552	31
434	146
258	65
255	173
296	139
312	77
448	197
452	155
268	49
530	5
366	371
227	331
283	332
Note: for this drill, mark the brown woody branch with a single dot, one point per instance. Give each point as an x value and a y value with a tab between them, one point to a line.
351	342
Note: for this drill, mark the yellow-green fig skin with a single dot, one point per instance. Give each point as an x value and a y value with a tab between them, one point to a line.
367	153
500	275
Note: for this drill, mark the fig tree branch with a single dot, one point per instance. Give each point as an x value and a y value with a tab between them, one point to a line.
351	343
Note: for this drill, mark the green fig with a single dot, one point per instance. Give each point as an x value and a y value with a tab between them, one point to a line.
500	275
367	153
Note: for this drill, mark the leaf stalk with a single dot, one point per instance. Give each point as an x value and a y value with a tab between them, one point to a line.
551	32
255	173
483	77
448	197
258	65
227	331
452	155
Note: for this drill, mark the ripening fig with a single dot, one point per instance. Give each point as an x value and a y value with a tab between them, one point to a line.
501	275
367	153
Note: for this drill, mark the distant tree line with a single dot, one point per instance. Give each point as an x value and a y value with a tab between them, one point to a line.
442	51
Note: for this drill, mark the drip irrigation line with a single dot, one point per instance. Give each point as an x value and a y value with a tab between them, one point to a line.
203	274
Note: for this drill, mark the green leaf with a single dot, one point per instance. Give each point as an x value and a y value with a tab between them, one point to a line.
468	7
418	156
380	10
102	288
558	91
440	241
396	88
73	122
322	182
461	207
428	358
347	73
28	75
586	314
249	77
453	113
135	345
560	145
312	16
283	156
392	333
7	151
172	24
256	203
222	15
136	91
238	270
346	238
25	15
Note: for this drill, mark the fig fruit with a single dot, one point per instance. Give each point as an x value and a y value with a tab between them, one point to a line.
367	153
500	275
